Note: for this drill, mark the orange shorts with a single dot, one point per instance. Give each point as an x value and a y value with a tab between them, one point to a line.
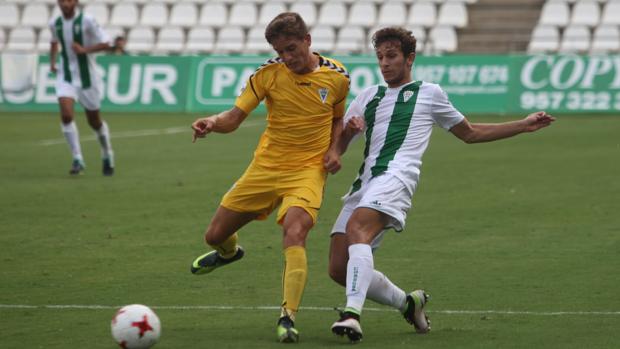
261	190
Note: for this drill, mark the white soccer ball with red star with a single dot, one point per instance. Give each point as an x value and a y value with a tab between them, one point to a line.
135	327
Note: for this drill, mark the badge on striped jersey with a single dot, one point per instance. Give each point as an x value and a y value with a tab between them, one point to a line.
323	93
407	95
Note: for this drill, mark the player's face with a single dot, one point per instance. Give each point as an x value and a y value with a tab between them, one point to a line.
395	68
67	7
294	52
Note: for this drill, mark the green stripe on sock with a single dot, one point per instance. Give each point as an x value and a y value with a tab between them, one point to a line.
352	310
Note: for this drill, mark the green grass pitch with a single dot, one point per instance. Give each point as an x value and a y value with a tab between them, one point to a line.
517	241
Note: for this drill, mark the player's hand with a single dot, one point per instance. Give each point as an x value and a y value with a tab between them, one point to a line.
78	49
355	125
202	127
538	120
53	69
331	161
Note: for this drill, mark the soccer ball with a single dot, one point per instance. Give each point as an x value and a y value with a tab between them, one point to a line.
135	327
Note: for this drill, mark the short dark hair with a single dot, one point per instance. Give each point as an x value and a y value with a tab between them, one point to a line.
405	37
288	24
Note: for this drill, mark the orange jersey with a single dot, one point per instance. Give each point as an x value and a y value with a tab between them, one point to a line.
300	111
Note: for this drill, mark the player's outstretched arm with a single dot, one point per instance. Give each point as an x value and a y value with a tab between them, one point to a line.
223	122
81	50
53	55
538	120
477	133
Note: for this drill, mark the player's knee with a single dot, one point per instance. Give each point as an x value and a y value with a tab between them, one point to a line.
66	118
295	234
356	232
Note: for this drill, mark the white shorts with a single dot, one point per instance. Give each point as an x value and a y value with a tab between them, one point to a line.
89	98
386	194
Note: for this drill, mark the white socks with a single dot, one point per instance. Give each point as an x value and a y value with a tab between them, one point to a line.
72	136
364	281
103	135
360	270
383	291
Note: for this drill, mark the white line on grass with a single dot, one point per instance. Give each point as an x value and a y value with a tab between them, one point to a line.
136	133
226	307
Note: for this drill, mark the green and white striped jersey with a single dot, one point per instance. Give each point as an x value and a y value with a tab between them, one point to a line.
79	70
399	122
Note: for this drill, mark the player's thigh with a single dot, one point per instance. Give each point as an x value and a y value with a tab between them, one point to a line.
389	195
254	193
304	189
365	225
351	202
225	223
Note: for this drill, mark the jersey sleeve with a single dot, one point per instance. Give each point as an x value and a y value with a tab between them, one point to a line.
52	27
339	108
442	111
355	109
254	91
343	89
98	34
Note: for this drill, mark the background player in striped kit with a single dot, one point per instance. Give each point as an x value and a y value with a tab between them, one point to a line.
397	121
80	37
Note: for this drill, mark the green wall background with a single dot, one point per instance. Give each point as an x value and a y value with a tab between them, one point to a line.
479	84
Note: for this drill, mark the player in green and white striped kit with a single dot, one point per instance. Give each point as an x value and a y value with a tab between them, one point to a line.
80	37
397	122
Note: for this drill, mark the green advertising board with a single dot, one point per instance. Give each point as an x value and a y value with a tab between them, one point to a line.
217	80
475	83
479	84
568	83
130	83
